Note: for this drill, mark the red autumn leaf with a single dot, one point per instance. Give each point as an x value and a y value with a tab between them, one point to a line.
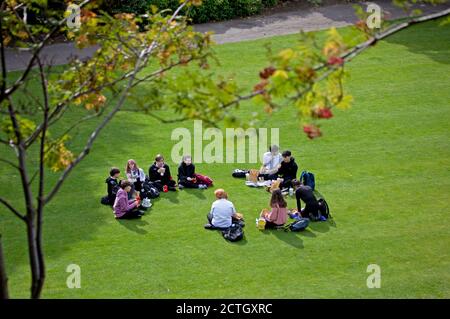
260	86
335	60
323	112
267	72
311	131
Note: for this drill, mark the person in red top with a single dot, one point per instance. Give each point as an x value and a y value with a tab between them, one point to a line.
278	215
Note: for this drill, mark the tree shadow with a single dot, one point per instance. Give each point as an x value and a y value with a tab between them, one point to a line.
135	225
431	42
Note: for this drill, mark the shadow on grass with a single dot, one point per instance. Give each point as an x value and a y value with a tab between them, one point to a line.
196	192
321	227
135	225
419	42
290	238
307	233
241	242
171	196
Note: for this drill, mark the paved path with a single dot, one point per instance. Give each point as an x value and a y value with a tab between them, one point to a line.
280	21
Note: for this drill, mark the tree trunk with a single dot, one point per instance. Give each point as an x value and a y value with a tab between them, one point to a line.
3	278
33	255
40	254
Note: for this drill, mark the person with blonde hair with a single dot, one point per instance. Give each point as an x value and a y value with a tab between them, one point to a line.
186	174
222	211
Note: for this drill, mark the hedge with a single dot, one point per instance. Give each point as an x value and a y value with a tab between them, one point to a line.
210	10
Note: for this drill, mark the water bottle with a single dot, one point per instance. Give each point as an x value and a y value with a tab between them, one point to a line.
291	191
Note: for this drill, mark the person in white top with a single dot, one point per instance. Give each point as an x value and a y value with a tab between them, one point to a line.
222	211
135	175
271	163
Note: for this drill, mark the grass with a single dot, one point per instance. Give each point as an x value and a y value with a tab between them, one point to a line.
383	167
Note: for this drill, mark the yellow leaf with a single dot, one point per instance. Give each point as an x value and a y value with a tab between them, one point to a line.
333	33
345	103
286	54
281	74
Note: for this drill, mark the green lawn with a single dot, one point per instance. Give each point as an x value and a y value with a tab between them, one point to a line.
384	167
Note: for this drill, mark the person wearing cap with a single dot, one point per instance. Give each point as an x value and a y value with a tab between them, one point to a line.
271	163
222	211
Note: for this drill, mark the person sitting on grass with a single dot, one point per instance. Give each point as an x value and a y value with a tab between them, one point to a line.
278	215
123	207
288	170
271	163
113	184
135	175
222	213
186	174
159	174
306	194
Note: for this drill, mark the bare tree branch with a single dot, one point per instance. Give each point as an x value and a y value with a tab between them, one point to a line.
10	163
165	121
12	209
160	71
33	177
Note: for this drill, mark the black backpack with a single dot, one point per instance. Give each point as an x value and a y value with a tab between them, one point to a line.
324	210
149	190
308	179
299	225
239	173
233	233
105	200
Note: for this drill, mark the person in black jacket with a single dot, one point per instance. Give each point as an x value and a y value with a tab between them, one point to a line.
159	174
113	184
186	174
288	170
306	194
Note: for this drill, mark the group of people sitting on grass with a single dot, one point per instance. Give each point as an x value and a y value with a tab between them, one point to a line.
125	195
276	167
223	213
